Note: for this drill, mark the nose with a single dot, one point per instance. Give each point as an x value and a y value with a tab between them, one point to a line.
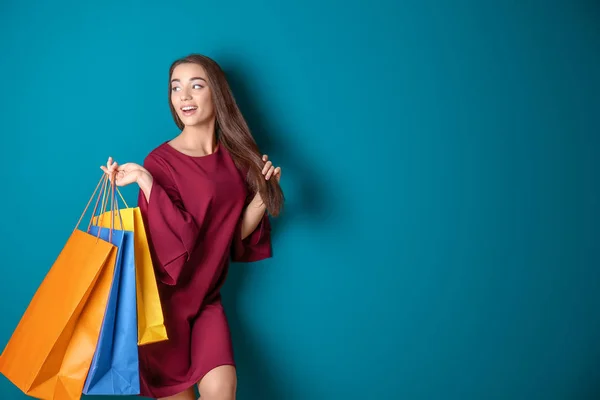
184	95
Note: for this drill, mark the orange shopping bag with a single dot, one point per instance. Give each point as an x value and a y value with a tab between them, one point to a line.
51	349
151	325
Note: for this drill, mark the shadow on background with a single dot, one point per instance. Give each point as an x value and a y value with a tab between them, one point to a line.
311	202
257	374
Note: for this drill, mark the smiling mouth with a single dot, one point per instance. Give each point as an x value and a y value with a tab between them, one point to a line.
188	110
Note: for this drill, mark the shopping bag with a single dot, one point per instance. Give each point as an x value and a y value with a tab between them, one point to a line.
49	353
151	326
114	369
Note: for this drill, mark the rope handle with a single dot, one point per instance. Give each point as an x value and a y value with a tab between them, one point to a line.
114	205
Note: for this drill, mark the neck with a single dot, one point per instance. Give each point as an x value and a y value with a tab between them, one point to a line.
200	137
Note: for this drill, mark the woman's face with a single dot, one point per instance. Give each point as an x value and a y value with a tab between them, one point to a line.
190	94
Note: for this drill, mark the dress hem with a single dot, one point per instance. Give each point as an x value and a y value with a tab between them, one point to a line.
167	391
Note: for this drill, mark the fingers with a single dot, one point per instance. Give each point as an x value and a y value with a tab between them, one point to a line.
266	167
273	172
113	166
121	179
128	167
268	163
110	168
269	173
269	170
106	171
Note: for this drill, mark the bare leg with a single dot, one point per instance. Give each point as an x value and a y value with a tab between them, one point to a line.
220	383
186	395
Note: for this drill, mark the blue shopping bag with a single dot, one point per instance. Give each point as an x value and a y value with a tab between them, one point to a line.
115	369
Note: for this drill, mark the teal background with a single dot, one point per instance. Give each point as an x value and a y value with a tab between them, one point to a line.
439	159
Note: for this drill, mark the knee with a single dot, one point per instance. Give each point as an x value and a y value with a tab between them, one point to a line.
219	389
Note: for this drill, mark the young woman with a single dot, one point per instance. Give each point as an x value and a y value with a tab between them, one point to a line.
205	197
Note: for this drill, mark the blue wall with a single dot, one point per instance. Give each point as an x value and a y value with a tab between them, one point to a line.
439	159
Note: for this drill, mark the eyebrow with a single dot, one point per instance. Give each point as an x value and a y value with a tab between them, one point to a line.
191	79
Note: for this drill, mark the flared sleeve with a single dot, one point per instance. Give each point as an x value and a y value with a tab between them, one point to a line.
171	230
256	246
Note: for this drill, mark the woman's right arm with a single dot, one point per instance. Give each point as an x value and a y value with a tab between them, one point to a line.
171	230
145	181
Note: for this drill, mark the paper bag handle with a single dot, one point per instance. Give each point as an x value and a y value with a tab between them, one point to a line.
114	205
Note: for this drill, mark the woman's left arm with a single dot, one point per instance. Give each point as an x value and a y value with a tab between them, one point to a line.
255	211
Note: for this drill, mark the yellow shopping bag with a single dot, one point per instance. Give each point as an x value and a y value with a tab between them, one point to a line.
151	327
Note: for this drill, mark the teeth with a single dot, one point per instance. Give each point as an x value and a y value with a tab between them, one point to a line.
188	108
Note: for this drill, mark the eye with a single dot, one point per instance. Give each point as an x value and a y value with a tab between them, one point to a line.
197	86
174	89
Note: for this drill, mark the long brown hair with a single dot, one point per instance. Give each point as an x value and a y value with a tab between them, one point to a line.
233	132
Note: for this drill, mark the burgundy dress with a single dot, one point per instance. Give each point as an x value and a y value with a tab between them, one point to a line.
193	221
